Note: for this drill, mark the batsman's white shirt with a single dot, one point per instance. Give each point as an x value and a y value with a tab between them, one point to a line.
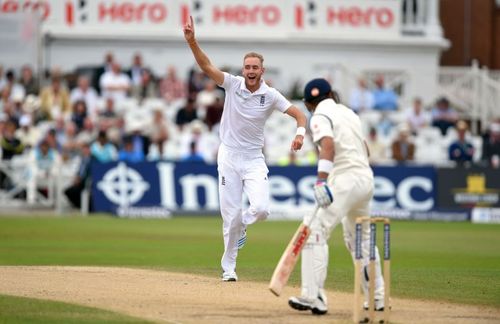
240	162
351	179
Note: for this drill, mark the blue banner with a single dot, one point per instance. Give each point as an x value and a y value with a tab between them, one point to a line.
193	187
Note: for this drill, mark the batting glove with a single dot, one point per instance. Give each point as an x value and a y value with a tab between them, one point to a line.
323	194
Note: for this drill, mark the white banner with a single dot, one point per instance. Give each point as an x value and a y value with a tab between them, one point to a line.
217	19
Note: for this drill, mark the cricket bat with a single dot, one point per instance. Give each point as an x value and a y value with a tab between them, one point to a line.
289	258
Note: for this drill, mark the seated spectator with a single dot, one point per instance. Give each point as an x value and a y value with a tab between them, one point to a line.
74	192
491	145
89	133
28	81
193	155
141	142
54	99
171	87
115	84
159	131
417	118
187	114
28	134
86	93
385	125
69	140
403	149
376	148
9	143
207	97
384	99
361	98
12	87
461	151
135	73
79	114
214	114
128	153
207	143
108	117
102	150
44	166
443	116
109	59
146	88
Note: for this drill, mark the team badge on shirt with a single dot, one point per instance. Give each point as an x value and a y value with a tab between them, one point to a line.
262	101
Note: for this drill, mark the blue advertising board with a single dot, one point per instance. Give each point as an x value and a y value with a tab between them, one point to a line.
193	187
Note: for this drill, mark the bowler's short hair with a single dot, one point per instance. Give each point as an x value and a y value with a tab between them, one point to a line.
254	54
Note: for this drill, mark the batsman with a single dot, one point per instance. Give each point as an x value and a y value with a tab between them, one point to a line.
343	191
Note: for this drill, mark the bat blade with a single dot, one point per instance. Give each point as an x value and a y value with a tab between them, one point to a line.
288	260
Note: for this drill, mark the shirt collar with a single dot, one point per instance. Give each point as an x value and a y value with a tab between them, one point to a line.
262	89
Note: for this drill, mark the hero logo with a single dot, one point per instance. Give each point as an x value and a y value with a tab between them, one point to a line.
387	196
357	17
242	15
155	12
123	186
37	6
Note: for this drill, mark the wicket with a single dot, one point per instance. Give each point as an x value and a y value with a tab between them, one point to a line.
358	264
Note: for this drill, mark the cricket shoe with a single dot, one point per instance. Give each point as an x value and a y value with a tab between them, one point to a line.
229	276
316	306
243	238
379	305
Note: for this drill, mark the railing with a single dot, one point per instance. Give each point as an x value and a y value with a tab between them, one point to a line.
473	90
421	18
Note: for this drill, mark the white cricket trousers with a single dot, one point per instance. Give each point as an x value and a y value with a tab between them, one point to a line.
240	172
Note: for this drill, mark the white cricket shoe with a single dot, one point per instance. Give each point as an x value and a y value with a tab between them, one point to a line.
379	305
316	306
229	276
243	238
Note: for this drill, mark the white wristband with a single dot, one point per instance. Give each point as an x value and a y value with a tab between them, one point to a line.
325	166
301	131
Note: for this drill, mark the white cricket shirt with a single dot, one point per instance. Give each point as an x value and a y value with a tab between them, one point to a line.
245	113
344	126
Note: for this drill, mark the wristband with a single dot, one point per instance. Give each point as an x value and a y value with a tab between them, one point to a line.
325	166
301	131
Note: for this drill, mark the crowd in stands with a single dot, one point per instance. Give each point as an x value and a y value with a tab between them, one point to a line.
62	123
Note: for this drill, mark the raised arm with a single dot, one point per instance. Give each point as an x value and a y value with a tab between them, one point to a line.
201	58
301	119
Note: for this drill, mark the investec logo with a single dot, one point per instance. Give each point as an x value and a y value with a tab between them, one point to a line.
123	186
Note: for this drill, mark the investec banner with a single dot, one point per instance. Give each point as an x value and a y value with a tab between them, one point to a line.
218	19
193	187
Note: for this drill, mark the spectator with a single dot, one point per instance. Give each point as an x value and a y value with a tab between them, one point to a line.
171	87
361	99
207	143
69	140
9	143
403	149
193	155
159	131
74	192
27	134
105	67
146	88
115	84
417	117
54	99
376	148
461	151
187	114
384	99
108	117
491	145
140	141
88	133
207	97
79	113
196	81
28	81
443	116
86	93
214	114
15	89
102	150
136	70
44	165
128	153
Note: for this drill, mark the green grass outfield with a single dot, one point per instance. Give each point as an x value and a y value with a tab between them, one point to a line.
456	262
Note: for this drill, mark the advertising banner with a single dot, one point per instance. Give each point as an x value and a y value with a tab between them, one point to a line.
165	187
216	19
468	188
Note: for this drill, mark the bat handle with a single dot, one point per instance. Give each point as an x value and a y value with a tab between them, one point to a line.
311	219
